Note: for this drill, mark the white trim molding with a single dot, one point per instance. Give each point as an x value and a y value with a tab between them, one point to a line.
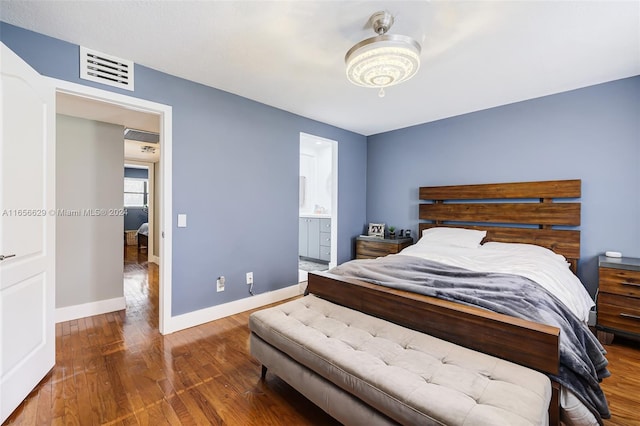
165	113
151	202
69	313
192	319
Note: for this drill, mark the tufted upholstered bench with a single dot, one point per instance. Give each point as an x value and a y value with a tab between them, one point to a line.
364	370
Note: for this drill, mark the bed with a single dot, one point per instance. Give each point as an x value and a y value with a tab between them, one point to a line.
526	215
143	236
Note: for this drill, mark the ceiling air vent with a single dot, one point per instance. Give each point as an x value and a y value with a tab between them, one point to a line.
106	69
141	135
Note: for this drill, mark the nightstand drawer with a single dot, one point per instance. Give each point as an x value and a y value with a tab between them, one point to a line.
619	312
368	249
620	281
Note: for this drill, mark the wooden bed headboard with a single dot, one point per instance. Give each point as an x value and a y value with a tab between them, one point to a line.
530	205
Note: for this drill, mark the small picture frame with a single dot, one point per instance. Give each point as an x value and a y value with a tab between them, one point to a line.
376	230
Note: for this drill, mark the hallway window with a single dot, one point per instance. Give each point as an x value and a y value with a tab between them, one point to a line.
136	192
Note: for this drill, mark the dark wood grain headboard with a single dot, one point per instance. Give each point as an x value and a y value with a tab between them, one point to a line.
497	207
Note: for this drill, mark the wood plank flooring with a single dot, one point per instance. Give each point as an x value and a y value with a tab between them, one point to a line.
116	369
622	389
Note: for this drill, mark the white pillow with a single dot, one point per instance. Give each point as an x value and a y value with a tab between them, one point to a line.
457	237
530	250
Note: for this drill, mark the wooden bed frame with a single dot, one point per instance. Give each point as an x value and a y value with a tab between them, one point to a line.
527	204
143	241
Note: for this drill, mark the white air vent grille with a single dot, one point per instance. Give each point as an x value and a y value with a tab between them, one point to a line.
141	135
106	69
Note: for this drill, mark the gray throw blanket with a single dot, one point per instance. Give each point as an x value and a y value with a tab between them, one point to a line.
582	361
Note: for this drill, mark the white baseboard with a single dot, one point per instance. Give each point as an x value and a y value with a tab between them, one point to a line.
69	313
202	316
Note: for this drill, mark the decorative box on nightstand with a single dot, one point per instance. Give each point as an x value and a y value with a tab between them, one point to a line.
372	247
618	297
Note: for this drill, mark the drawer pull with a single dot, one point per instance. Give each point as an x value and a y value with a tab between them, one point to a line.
631	284
635	317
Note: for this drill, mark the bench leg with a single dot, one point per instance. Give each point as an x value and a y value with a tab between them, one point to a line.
263	374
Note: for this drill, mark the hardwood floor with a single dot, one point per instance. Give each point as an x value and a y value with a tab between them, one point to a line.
622	389
116	369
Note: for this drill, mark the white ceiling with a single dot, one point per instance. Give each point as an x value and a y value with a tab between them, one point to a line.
133	151
290	54
81	107
77	106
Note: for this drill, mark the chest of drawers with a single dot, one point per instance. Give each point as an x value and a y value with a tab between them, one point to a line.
618	297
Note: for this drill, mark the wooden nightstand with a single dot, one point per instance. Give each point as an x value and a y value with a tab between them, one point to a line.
618	297
372	247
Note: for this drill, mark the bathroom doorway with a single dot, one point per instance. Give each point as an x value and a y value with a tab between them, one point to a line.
317	222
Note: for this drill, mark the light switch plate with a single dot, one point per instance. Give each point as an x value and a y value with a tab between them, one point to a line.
182	220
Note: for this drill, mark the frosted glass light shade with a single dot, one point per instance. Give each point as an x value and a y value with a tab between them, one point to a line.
383	61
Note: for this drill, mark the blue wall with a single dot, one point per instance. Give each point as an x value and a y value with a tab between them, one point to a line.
591	134
235	168
135	217
235	174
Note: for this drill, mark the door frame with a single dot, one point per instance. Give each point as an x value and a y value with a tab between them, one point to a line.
333	262
151	206
166	324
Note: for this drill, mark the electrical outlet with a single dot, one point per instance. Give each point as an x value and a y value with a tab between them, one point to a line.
249	278
220	284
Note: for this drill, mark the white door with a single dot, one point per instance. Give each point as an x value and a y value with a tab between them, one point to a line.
27	230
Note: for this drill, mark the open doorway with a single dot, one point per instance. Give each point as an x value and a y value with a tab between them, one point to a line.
124	110
140	221
138	207
317	221
140	263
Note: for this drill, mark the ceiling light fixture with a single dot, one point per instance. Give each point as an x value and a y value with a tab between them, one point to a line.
384	60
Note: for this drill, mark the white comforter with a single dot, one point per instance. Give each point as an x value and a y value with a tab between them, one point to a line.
549	270
144	229
546	268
